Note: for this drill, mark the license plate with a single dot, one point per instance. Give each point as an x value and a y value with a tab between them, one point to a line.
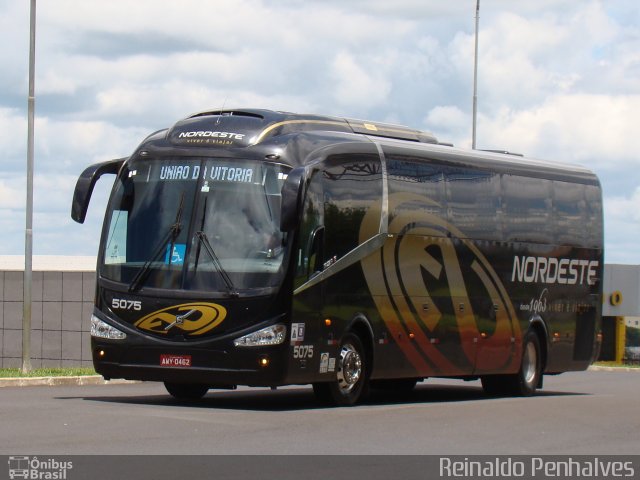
175	360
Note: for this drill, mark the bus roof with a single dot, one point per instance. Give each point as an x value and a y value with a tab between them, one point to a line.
248	127
233	128
499	161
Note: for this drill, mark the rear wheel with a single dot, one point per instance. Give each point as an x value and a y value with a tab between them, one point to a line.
525	382
351	383
186	391
528	377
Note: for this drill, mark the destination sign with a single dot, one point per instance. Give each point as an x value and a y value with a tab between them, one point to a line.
216	173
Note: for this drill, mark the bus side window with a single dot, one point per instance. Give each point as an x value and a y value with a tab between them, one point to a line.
352	185
424	181
527	209
570	213
593	212
473	200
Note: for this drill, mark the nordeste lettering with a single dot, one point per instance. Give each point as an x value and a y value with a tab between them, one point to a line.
211	134
564	271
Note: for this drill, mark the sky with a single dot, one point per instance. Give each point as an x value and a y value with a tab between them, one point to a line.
557	80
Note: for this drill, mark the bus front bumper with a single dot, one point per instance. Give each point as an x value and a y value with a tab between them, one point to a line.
253	366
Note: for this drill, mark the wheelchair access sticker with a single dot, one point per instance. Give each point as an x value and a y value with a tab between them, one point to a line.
175	257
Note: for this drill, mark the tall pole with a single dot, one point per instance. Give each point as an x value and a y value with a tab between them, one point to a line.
28	237
475	80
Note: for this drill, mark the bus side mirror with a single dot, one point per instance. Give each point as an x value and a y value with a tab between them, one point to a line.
85	184
291	196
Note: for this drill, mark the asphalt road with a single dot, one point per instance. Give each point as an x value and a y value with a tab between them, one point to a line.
591	413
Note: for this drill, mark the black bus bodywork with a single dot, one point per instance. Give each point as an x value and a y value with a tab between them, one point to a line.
261	248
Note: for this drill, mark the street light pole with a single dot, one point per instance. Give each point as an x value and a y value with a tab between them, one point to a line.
475	79
28	240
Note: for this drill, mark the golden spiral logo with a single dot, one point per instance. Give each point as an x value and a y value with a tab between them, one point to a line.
422	282
198	318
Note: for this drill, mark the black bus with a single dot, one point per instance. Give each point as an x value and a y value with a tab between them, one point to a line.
261	248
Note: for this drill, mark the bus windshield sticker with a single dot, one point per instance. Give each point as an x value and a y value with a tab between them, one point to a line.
324	362
332	364
116	249
177	256
297	332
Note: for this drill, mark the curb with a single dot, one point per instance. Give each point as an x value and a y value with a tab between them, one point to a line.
60	381
597	368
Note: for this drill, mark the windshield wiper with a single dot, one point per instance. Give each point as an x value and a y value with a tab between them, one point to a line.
175	229
204	241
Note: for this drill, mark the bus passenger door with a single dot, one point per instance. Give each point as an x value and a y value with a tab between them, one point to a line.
308	295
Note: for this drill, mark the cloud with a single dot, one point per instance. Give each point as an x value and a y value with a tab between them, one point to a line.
12	193
524	59
13	127
579	127
622	215
67	146
357	84
54	233
450	123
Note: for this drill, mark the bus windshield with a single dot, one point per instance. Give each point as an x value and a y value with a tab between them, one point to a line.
195	224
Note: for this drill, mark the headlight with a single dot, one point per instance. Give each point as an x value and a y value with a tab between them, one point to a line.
273	335
101	329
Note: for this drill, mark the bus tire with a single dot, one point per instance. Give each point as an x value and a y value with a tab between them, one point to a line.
186	391
525	382
351	383
528	377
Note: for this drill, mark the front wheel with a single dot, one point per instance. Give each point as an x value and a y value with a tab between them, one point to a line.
352	377
186	391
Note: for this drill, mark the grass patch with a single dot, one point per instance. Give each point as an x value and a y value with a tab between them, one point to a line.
46	372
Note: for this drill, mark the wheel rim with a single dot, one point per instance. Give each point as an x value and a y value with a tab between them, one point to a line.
350	368
530	363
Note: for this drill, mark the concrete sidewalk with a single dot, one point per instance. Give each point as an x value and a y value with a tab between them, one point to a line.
602	368
57	381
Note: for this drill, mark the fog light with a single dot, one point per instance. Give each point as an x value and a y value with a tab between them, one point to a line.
101	353
264	361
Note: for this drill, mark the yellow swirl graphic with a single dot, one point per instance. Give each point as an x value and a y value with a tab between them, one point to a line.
395	277
198	318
